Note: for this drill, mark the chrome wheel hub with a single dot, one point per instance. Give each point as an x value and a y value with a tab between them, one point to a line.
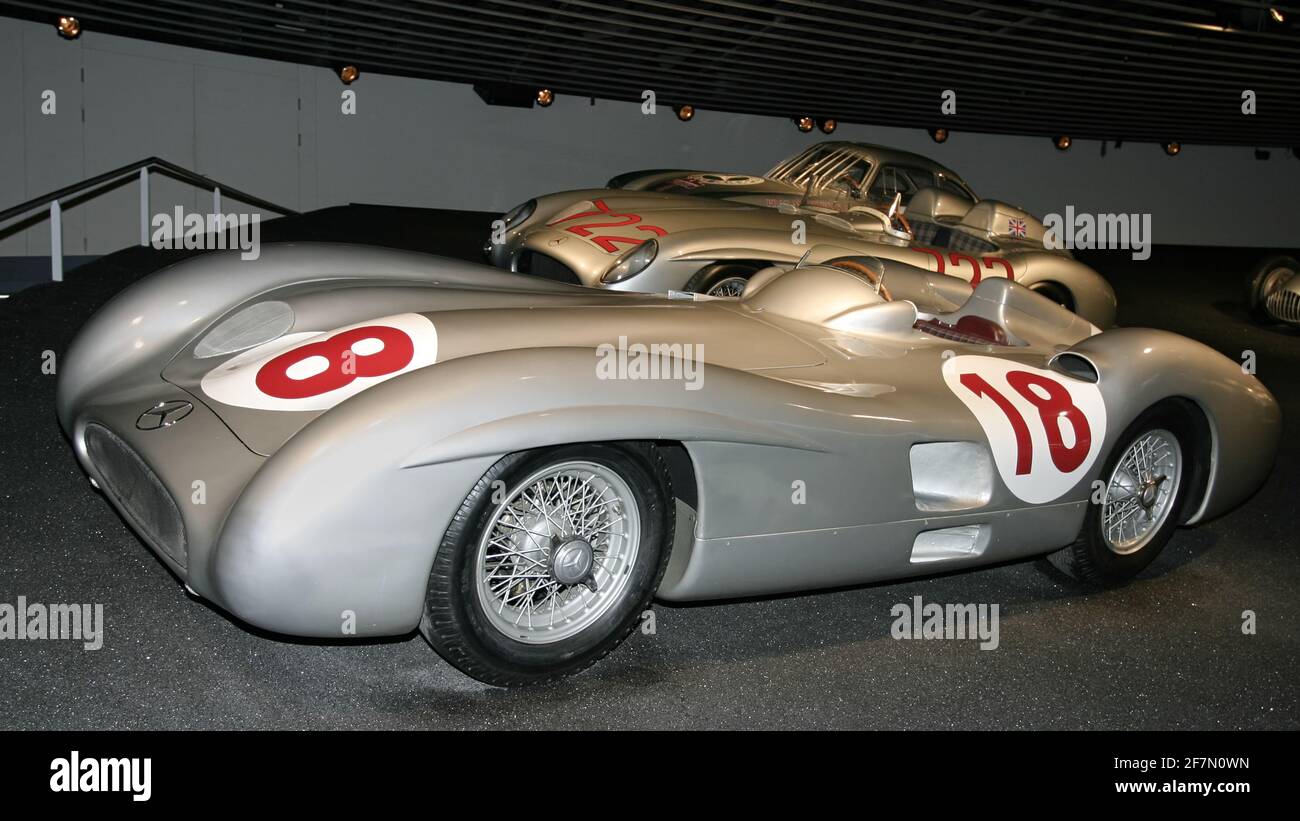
558	552
731	286
571	562
1141	492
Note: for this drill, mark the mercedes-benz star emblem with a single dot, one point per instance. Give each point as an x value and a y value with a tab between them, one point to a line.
571	561
164	415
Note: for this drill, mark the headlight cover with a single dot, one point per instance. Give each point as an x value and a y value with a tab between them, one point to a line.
248	328
519	213
634	261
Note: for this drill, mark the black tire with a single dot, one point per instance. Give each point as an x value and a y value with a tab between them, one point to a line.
1259	282
454	622
710	276
1056	292
1089	559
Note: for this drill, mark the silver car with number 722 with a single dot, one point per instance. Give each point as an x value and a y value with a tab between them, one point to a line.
709	232
388	441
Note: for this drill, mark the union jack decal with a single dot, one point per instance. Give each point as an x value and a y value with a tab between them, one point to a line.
1017	227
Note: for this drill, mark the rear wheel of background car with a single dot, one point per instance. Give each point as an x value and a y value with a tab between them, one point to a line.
1267	277
550	561
1148	475
721	279
1056	292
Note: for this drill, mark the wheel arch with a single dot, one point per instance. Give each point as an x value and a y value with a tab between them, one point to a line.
681	471
1094	299
1046	287
1237	418
1203	446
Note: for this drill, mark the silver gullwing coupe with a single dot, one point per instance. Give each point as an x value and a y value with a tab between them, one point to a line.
708	232
339	441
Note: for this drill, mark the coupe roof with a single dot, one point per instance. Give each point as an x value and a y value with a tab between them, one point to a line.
878	154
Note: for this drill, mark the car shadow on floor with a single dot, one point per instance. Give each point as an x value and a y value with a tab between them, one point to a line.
1239	312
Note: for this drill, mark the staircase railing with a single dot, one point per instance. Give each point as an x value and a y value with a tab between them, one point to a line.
107	180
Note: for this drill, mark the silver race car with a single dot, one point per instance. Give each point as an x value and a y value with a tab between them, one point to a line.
1275	290
708	232
340	441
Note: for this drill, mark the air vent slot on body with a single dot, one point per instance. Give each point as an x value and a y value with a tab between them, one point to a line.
950	543
948	476
1076	365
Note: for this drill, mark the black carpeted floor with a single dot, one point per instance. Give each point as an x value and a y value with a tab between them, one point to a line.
1165	652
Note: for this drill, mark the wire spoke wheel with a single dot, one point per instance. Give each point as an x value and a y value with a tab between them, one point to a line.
731	286
1141	491
558	552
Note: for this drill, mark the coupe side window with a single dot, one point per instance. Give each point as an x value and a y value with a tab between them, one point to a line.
891	180
899	179
919	177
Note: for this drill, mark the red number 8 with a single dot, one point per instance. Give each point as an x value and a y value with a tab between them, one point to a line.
273	378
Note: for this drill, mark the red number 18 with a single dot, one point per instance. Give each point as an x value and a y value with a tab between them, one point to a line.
1053	408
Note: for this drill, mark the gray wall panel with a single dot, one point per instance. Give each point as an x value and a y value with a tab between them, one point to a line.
261	158
13	129
385	153
53	142
136	107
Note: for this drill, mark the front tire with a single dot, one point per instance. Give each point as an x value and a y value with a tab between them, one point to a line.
549	562
1148	478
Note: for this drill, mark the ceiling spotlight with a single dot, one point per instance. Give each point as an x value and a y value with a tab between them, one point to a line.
1062	143
545	97
1172	148
827	125
939	135
69	27
685	113
348	74
1277	15
804	124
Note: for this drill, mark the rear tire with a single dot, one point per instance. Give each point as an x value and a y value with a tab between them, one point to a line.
550	561
1149	476
721	279
1266	277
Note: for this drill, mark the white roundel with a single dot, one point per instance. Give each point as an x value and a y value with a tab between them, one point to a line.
1045	430
316	370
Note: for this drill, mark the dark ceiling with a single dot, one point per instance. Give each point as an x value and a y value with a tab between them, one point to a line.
1124	70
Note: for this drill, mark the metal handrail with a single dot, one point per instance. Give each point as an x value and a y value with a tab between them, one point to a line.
142	169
